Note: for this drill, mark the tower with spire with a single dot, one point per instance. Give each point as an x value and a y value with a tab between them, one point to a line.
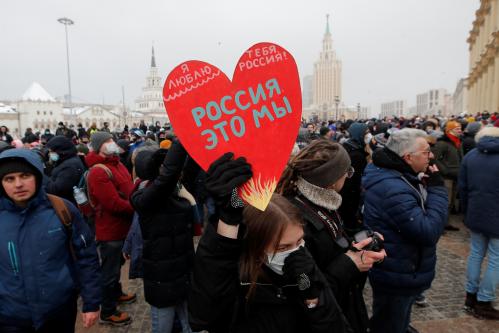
150	103
327	75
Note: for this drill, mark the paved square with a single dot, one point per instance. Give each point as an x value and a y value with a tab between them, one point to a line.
444	313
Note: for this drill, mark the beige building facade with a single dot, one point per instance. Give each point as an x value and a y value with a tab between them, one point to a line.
433	102
38	110
394	108
327	75
483	40
460	97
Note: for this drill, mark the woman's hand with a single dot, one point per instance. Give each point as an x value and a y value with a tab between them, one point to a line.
363	259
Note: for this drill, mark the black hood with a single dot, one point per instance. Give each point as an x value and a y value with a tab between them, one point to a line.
124	144
147	163
62	146
385	158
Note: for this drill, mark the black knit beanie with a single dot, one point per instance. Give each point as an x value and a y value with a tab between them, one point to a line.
329	172
16	165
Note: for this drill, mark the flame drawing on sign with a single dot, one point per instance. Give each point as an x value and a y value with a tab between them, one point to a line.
258	194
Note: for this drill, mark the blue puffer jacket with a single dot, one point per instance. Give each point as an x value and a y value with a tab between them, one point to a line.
479	187
411	226
37	272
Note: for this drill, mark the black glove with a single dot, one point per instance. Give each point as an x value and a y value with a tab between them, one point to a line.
223	177
300	267
434	179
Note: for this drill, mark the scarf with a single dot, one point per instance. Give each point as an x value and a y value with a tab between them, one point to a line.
454	139
325	198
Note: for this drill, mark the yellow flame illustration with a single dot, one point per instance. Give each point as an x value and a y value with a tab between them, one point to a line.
257	194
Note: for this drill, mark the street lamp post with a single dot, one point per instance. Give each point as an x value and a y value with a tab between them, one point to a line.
66	21
337	102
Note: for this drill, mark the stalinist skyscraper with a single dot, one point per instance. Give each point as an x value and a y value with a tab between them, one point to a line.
327	75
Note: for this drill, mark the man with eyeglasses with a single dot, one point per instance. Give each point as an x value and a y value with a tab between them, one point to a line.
405	201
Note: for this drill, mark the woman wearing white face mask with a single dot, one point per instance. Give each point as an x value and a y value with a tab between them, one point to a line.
252	272
312	182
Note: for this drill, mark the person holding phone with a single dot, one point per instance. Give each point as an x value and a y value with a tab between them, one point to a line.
312	181
252	272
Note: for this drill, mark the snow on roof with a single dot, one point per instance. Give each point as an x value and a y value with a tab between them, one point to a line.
136	114
76	110
7	109
36	92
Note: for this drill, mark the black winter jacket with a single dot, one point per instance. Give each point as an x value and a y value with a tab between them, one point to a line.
344	278
351	191
64	176
217	300
166	222
447	157
468	143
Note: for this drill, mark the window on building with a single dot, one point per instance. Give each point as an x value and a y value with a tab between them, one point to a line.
44	113
38	112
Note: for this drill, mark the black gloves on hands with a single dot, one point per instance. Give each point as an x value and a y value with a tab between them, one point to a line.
434	179
300	267
223	176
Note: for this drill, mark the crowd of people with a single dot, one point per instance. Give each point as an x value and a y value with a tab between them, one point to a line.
358	200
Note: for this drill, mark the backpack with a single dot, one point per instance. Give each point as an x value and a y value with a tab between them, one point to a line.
64	214
88	209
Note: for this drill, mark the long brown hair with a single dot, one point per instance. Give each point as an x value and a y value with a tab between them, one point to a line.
264	228
313	156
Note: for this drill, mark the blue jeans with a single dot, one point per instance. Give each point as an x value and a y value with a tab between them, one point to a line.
482	245
391	313
162	318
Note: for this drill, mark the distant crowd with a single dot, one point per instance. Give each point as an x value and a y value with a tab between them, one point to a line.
357	200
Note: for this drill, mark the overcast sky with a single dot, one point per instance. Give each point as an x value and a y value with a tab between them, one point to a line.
390	49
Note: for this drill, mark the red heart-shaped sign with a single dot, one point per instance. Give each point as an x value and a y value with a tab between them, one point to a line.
257	115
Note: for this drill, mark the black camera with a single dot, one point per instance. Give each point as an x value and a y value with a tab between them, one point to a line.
377	243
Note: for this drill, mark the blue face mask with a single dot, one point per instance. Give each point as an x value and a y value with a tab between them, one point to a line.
54	157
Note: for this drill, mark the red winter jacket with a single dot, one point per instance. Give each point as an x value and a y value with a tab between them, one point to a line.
113	209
